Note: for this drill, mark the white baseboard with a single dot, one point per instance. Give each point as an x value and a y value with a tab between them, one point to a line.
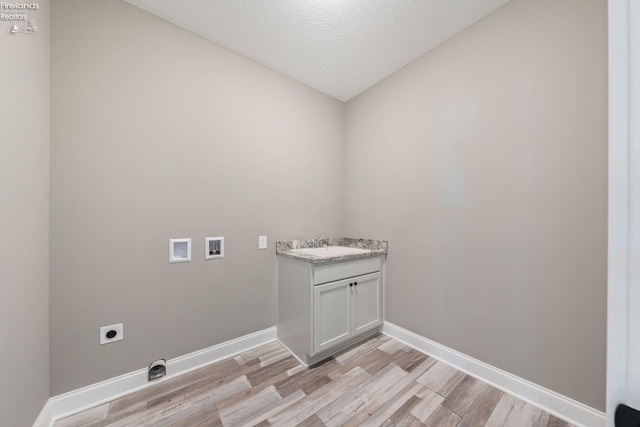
84	398
45	419
560	406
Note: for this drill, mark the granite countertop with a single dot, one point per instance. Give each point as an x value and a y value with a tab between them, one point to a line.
375	247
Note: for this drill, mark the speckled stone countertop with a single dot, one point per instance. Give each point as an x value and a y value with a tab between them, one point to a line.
376	248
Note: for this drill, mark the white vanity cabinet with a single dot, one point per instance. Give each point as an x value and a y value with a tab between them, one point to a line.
344	309
325	307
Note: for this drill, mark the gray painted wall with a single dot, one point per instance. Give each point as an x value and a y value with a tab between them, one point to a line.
156	134
484	163
24	221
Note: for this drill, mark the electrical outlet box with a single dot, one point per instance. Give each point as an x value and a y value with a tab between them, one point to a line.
262	242
112	333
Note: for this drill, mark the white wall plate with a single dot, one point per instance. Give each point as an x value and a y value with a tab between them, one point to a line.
213	247
179	250
262	242
112	333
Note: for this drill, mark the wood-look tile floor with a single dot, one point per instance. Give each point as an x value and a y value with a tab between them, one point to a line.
379	382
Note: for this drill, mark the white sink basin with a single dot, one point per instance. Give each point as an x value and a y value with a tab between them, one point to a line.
330	251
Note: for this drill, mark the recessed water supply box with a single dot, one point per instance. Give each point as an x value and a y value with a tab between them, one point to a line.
179	250
213	247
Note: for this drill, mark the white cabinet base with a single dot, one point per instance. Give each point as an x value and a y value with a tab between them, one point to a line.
322	309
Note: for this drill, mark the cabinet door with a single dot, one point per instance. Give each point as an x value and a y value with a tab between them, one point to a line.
331	314
367	303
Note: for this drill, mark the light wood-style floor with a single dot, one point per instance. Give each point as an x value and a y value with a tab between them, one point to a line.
379	382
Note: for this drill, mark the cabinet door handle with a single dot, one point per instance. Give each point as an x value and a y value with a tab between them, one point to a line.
350	284
355	283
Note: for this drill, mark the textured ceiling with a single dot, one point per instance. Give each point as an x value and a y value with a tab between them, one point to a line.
340	47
